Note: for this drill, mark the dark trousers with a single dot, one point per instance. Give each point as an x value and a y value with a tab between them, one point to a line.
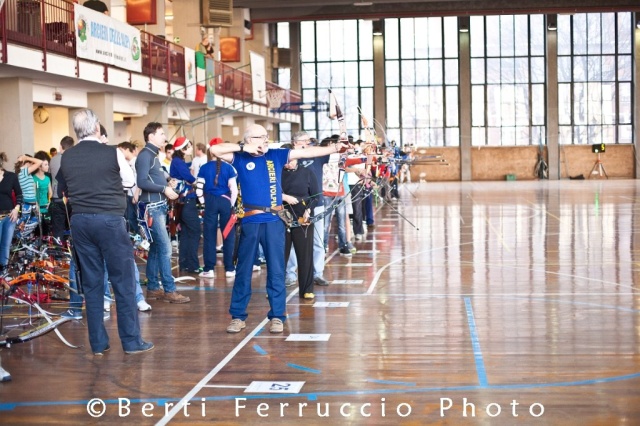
302	240
368	207
217	212
59	222
357	203
131	214
100	238
189	236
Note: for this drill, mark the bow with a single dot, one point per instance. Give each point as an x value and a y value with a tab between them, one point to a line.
336	113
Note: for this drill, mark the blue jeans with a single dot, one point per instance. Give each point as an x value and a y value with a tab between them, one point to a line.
6	235
341	217
217	207
100	238
291	272
159	260
318	244
189	236
271	236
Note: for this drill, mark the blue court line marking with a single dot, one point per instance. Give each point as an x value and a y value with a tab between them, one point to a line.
258	349
300	367
314	395
475	342
390	382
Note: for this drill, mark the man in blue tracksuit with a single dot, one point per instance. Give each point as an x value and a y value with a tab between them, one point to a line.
259	174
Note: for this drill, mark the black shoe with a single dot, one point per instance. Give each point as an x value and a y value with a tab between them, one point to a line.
101	353
320	281
144	347
345	252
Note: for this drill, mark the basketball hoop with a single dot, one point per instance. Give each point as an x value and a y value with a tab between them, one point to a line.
274	98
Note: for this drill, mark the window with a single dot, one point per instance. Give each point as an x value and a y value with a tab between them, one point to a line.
594	78
507	80
421	73
337	55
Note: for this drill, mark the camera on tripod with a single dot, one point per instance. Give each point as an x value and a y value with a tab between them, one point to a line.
597	148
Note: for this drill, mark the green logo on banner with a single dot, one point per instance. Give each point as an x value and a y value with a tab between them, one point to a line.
82	30
135	49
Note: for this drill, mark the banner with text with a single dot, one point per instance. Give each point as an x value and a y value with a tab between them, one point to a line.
103	39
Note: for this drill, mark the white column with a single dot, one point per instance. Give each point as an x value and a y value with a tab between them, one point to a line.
16	117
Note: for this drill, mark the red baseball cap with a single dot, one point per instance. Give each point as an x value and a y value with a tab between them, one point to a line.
180	143
215	141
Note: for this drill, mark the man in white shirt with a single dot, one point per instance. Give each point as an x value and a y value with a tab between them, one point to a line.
200	158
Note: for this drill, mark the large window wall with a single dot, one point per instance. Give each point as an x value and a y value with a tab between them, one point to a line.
595	67
421	77
508	69
508	80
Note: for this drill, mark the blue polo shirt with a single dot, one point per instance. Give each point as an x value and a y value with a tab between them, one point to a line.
259	179
208	173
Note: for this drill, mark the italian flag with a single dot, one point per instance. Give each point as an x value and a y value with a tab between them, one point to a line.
201	77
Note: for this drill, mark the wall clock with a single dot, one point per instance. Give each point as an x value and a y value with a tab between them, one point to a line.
40	115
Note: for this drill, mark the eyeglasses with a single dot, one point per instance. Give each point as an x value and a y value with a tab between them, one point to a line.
263	137
302	141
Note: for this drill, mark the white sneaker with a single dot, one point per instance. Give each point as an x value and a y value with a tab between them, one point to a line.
107	306
230	274
207	274
256	268
143	306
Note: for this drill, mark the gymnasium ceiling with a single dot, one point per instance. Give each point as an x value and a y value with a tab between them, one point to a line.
302	10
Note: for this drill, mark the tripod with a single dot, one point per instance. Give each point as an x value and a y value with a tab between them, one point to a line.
598	169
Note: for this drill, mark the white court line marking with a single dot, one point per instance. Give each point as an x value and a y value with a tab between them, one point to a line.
270	337
206	379
225	386
375	280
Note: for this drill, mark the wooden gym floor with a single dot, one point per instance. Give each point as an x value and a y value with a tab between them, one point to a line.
514	303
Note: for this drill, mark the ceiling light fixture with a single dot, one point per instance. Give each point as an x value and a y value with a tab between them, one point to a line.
363	3
552	22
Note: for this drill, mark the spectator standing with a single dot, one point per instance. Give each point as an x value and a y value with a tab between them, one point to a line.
99	233
155	192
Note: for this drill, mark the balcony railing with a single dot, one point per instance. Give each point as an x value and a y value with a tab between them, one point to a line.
235	83
48	25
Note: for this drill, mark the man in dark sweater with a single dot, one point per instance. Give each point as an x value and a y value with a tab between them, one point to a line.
299	192
100	234
302	140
